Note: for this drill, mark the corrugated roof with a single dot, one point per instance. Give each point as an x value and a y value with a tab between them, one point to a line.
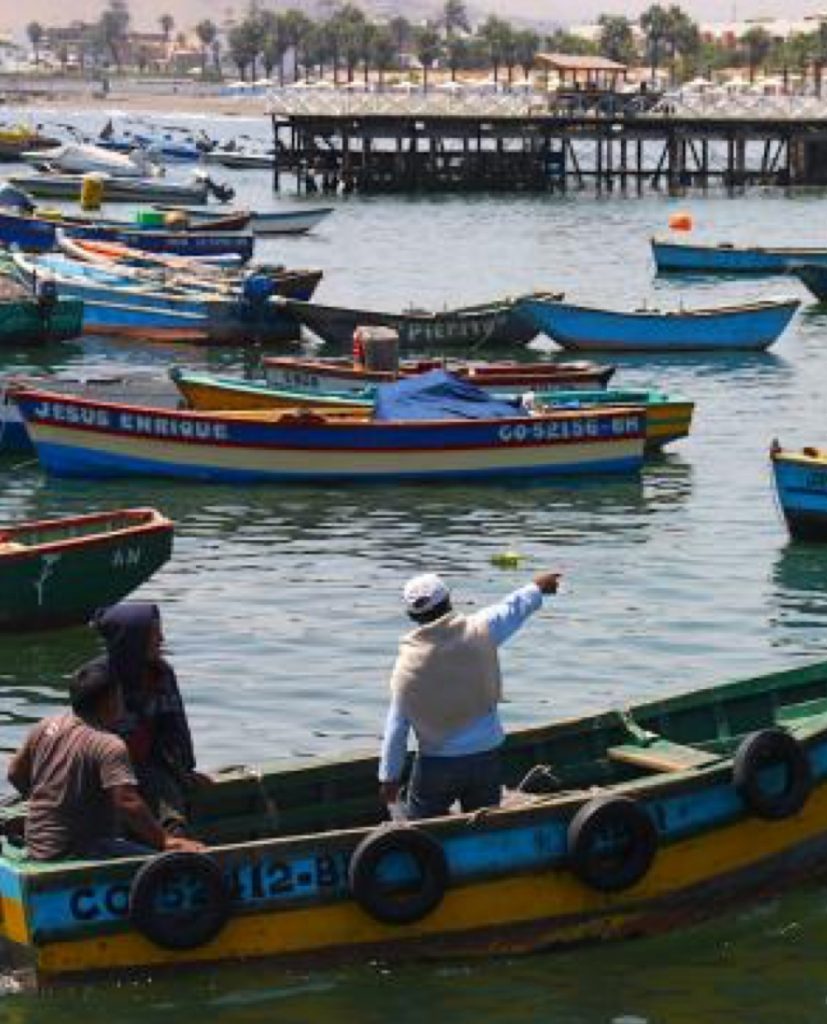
571	62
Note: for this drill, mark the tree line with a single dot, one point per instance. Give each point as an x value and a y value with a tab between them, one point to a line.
347	43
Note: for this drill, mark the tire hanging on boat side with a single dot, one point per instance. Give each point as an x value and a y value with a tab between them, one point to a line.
611	843
757	755
379	900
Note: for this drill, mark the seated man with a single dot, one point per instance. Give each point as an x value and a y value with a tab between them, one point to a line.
446	685
154	722
78	779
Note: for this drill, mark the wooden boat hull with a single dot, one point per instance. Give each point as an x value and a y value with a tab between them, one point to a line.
57	572
667	418
76	437
747	329
514	878
682	258
135	311
341	376
475	327
26	321
801	486
127	190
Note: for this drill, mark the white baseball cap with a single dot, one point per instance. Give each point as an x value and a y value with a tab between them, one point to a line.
424	593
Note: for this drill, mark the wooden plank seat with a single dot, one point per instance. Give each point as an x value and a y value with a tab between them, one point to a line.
661	755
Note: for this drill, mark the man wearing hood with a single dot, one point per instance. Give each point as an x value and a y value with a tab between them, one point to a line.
154	724
446	685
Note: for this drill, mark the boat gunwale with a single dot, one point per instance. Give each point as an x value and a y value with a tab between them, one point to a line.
700	313
154	522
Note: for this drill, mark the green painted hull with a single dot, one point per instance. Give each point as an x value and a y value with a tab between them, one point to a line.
58	572
25	322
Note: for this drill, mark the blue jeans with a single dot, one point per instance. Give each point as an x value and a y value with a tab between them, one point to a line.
436	782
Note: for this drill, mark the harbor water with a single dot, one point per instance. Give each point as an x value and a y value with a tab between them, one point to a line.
282	606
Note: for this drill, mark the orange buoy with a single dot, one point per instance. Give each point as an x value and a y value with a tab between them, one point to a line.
681	222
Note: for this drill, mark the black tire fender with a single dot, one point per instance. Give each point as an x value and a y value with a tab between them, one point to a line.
761	750
611	843
398	907
159	881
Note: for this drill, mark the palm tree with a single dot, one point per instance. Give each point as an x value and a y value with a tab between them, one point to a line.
34	30
167	23
400	29
616	40
243	45
273	43
494	35
757	43
350	24
383	51
112	26
206	31
655	24
427	49
297	29
454	17
457	52
526	47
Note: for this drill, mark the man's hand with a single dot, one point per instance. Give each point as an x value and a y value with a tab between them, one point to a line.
548	582
178	844
389	792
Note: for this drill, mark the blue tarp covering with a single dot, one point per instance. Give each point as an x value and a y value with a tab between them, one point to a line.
439	395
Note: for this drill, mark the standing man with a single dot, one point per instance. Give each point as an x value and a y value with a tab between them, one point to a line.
78	779
446	684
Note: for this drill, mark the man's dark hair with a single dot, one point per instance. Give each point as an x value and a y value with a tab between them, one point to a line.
423	618
90	684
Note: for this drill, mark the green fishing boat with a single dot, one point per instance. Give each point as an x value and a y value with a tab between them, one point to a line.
31	321
619	824
56	572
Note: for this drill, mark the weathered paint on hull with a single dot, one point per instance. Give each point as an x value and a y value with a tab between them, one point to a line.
26	322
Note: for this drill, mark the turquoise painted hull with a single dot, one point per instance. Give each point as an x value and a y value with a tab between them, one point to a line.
747	328
801	486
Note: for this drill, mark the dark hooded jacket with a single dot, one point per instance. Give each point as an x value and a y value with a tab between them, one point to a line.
155	725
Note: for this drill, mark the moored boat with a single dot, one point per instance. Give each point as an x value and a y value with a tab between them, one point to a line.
724	258
645	820
814	277
801	486
25	320
749	327
127	190
505	377
56	572
469	327
85	158
35	233
668	417
117	303
81	437
297	221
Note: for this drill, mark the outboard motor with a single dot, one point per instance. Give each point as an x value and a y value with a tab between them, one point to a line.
15	198
46	296
257	288
223	193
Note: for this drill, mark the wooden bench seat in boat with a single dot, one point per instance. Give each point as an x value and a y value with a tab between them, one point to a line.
661	755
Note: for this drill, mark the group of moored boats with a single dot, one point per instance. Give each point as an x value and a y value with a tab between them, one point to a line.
642	814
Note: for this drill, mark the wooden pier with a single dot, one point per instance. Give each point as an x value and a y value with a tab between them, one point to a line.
376	153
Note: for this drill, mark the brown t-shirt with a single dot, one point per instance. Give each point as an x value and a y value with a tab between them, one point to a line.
73	764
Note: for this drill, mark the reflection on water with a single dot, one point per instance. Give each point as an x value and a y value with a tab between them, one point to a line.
798	617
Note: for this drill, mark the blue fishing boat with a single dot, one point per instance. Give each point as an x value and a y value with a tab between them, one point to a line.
750	327
459	433
117	304
39	234
801	485
673	257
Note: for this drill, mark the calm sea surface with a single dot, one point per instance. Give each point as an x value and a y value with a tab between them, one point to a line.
281	606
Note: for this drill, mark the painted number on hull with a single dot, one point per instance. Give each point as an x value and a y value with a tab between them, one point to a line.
568	430
125	557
